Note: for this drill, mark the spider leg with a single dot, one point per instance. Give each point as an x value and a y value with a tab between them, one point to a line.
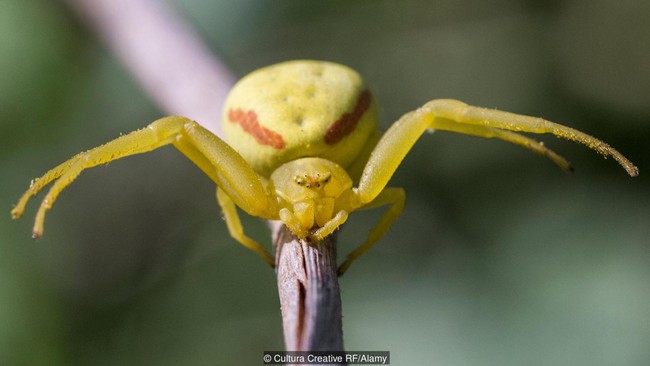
136	142
229	168
236	229
395	197
444	114
515	138
356	168
466	114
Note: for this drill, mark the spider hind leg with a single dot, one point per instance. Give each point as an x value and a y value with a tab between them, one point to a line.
396	198
236	229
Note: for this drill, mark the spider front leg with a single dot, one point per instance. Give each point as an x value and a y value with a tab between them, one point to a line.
218	160
455	116
461	113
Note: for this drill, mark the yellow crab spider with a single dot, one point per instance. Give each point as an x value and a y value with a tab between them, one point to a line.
304	149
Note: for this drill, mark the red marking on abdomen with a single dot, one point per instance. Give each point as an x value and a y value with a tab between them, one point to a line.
348	121
248	121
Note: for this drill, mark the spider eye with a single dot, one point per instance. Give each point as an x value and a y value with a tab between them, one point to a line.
317	180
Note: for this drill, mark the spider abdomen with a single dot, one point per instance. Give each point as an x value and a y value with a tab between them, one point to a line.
297	109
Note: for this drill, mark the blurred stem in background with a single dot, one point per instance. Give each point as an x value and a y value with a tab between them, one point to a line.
164	54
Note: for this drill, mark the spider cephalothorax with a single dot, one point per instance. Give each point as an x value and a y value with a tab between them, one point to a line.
303	148
311	193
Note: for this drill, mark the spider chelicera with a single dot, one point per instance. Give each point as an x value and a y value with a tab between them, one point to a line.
303	148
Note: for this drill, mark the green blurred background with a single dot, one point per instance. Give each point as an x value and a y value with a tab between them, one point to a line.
499	259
